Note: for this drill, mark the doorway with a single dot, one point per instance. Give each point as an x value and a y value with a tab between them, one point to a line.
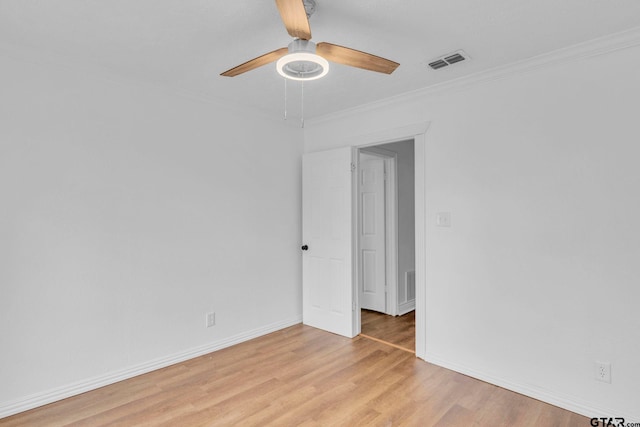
386	243
330	293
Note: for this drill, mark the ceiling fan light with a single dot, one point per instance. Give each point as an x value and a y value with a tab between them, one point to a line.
302	66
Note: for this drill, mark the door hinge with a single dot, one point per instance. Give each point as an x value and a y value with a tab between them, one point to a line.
353	167
353	307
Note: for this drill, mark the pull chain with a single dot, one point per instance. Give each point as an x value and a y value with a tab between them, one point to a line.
285	99
301	102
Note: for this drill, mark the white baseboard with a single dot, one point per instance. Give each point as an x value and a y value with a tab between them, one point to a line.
570	403
38	399
406	307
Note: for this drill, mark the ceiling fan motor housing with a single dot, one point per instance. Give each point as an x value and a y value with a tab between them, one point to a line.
299	45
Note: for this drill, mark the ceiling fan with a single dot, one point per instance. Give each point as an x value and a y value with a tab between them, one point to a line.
303	59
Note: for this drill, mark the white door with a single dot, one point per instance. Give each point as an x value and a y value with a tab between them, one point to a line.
372	261
327	273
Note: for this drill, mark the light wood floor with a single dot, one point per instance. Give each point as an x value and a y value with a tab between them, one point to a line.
301	376
397	330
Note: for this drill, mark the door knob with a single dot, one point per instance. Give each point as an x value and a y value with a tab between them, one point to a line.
305	248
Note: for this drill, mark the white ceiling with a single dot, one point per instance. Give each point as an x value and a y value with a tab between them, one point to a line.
186	44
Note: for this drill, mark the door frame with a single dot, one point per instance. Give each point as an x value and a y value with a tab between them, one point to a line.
391	224
417	132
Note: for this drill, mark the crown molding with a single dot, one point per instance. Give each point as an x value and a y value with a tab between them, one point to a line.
600	46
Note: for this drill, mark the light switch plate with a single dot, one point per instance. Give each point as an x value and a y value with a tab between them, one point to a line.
443	219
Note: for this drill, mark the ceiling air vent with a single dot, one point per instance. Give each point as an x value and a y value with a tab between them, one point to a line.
438	64
448	59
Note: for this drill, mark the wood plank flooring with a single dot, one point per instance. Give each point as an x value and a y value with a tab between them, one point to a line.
300	376
397	330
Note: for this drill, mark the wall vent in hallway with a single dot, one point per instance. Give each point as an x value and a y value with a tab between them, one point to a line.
410	283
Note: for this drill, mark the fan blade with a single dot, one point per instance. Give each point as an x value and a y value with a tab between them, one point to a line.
294	18
256	62
355	58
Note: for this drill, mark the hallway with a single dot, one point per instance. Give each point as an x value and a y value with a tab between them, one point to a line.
399	331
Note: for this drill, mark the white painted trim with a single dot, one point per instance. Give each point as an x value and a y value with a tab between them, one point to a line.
38	399
570	403
356	320
417	132
391	244
388	136
595	47
420	161
600	46
406	307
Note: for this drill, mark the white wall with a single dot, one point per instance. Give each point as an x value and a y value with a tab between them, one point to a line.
126	214
538	276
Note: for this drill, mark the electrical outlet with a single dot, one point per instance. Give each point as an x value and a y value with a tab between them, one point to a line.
603	371
211	319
